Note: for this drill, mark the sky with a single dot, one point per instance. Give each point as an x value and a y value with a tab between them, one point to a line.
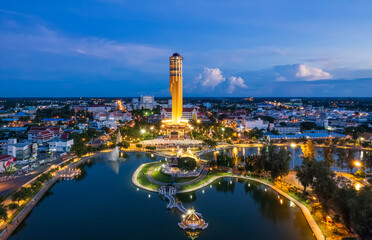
235	48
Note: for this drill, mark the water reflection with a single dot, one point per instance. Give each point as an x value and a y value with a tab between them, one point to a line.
233	208
296	152
272	205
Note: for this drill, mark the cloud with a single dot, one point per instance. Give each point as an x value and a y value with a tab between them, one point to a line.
234	83
211	77
312	73
39	39
300	72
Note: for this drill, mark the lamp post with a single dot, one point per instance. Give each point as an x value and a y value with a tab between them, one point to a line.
293	145
359	165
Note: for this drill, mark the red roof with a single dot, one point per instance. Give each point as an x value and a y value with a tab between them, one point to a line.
6	157
36	130
45	135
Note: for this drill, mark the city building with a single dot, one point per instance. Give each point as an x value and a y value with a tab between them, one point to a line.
287	129
22	151
5	161
187	113
255	123
147	102
61	145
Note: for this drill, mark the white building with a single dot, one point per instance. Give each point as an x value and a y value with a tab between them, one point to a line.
60	145
288	129
22	151
147	102
187	113
255	123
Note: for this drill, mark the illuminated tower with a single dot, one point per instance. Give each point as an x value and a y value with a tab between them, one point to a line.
175	86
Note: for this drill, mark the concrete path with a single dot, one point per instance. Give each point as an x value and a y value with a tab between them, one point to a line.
309	218
135	181
9	229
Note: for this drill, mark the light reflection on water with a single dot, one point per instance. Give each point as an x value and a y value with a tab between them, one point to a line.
104	204
296	152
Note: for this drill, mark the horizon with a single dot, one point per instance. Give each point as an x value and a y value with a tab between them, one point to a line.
115	47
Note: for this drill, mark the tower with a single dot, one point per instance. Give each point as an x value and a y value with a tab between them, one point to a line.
175	87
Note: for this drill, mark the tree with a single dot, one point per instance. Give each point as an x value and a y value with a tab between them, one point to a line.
3	213
22	194
210	143
308	150
350	159
324	184
225	160
328	155
341	157
367	159
36	185
356	210
124	144
79	147
305	172
280	163
187	163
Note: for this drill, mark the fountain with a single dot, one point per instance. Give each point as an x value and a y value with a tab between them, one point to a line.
114	155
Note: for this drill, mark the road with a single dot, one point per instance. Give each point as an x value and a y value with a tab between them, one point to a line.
11	185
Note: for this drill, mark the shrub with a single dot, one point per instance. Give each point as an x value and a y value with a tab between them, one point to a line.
187	163
12	206
139	145
360	173
150	147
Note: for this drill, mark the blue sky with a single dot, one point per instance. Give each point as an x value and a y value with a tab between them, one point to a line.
230	48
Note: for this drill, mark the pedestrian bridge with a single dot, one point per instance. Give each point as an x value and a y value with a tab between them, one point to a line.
168	193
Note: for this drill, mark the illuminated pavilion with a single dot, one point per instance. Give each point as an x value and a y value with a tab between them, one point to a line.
193	221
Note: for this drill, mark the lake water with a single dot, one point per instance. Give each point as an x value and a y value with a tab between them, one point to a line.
104	204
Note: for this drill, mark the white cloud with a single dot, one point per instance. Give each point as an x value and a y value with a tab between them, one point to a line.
311	73
211	77
236	82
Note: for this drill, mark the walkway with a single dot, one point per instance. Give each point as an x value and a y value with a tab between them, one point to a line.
69	172
27	209
201	176
309	218
135	181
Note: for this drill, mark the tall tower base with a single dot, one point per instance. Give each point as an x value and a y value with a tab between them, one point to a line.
175	131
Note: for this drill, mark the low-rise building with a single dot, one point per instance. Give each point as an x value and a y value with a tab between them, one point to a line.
5	161
187	113
288	129
22	151
255	123
60	145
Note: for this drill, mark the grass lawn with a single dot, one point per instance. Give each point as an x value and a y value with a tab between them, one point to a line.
142	179
159	176
209	176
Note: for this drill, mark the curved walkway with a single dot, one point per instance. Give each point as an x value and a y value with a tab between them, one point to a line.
151	179
201	176
135	181
309	218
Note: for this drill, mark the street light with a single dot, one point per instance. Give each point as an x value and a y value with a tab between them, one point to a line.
357	163
293	145
143	131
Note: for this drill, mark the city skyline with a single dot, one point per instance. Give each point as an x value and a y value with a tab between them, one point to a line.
117	48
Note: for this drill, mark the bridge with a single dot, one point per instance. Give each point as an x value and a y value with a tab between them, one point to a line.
168	193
